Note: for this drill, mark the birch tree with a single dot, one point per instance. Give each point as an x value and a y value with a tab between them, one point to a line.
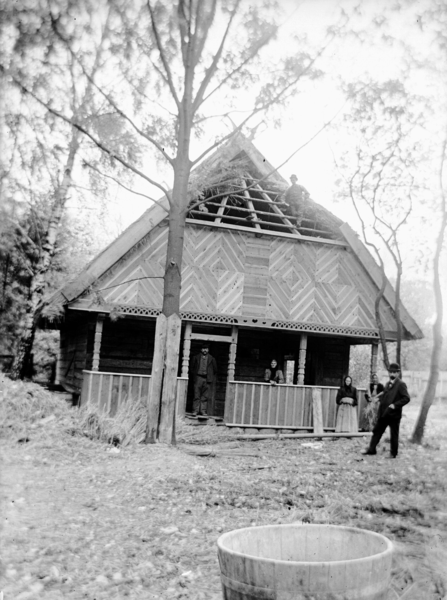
40	149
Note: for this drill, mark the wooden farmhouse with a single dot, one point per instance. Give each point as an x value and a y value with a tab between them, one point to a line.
261	279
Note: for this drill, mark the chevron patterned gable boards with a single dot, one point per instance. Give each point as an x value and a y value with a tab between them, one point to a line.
230	291
326	266
199	289
147	260
230	272
201	248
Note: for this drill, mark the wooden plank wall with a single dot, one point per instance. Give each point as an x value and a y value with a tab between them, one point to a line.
76	348
262	405
235	273
109	391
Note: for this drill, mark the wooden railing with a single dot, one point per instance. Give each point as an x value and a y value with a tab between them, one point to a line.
262	405
109	391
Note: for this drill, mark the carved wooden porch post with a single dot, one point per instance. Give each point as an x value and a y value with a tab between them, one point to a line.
374	354
302	358
232	355
186	350
97	341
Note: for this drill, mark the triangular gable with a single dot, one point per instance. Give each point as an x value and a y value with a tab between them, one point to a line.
289	296
276	281
375	273
153	216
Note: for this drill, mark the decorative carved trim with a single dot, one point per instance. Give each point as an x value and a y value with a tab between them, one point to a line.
146	311
302	359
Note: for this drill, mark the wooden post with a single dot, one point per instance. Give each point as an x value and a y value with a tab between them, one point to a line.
169	395
232	354
153	408
302	358
231	360
59	373
374	354
97	343
186	350
317	410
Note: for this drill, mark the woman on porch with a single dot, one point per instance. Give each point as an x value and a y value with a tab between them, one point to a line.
347	420
274	374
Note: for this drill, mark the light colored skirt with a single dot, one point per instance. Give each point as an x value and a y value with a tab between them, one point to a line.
347	420
370	412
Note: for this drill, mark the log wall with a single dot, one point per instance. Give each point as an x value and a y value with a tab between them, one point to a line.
127	346
327	359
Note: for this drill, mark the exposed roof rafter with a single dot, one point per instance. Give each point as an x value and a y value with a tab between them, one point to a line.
246	202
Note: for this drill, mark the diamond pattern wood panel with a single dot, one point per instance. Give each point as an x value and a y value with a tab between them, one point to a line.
232	273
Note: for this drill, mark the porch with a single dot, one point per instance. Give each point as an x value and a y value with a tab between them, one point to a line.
251	406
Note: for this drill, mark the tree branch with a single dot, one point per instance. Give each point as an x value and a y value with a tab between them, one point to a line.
92	82
169	79
82	129
212	68
124	186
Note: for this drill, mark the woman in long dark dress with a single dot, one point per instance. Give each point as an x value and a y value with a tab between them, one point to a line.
347	419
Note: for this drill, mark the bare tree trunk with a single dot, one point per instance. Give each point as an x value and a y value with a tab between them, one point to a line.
430	391
379	317
166	355
397	314
22	362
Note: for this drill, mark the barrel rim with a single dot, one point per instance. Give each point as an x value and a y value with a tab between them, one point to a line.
388	550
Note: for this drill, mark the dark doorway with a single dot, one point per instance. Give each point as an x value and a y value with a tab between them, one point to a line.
220	351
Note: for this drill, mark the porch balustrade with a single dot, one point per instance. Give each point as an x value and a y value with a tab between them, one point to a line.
247	404
109	391
283	406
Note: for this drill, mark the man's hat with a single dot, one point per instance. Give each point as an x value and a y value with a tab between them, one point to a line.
394	367
205	345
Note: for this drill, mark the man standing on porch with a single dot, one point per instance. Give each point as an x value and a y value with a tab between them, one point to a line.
204	371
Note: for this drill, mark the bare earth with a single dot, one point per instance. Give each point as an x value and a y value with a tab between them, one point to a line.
85	520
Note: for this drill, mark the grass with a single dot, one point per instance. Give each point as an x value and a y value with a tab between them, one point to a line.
24	405
124	501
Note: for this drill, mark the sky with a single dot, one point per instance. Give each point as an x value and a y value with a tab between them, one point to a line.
321	101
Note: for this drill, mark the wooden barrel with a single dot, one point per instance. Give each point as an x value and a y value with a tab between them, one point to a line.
299	562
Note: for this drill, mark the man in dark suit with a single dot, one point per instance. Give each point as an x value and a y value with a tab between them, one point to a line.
393	398
204	371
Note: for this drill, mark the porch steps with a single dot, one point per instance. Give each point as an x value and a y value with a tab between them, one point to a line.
190	419
254	432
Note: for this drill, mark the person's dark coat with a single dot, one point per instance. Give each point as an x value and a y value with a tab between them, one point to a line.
380	388
275	375
396	394
211	367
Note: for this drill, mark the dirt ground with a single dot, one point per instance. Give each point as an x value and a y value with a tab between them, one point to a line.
87	520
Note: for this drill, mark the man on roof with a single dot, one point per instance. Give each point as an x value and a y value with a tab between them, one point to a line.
295	197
